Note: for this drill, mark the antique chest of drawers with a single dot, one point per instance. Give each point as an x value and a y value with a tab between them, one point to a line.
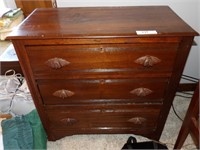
103	70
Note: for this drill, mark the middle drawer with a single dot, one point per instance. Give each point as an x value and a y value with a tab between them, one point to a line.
103	90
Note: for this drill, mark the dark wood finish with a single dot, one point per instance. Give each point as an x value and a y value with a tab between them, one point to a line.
28	6
109	56
83	119
82	64
99	116
105	22
14	65
187	87
191	122
103	90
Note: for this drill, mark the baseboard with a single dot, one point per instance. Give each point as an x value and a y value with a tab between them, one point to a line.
186	87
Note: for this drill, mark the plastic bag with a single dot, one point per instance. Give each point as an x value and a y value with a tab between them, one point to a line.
8	86
133	144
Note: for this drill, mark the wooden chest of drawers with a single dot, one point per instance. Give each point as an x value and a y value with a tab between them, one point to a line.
89	71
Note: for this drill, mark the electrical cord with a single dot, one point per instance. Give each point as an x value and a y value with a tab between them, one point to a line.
187	93
188	97
176	113
183	96
190	77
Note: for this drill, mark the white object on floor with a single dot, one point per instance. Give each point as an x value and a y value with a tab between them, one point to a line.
8	86
10	83
15	98
5	101
24	87
22	104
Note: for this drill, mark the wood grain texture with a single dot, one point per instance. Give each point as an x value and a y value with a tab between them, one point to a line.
102	46
102	21
94	91
99	116
91	59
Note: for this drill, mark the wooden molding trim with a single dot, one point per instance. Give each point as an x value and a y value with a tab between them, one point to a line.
5	116
186	87
5	66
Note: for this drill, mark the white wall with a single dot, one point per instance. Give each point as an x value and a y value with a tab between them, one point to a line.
2	4
9	3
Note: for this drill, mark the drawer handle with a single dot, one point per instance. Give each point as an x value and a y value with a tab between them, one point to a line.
69	121
141	92
63	93
137	120
56	63
147	61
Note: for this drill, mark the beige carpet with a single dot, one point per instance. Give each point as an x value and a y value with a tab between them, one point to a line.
116	141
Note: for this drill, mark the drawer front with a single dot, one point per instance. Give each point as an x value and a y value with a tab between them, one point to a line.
102	117
63	59
104	90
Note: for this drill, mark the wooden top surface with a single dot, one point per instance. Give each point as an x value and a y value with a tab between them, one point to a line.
87	22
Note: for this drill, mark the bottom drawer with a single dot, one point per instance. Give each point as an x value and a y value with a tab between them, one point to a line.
104	118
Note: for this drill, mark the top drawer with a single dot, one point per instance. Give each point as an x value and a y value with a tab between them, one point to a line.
107	58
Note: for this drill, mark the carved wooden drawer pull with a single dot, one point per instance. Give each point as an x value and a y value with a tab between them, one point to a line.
69	121
147	61
56	63
137	120
141	92
63	93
